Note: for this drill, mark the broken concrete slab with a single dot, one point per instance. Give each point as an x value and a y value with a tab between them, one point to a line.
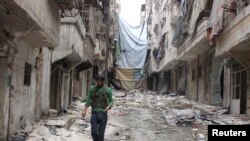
19	136
53	113
175	116
120	94
42	131
57	123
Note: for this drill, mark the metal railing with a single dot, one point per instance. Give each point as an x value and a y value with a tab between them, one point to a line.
69	8
89	20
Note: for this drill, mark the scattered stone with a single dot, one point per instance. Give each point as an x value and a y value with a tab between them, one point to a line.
117	133
87	129
57	123
52	130
126	137
42	131
62	139
200	137
172	94
41	139
157	132
28	127
120	94
19	136
69	135
195	129
52	113
181	117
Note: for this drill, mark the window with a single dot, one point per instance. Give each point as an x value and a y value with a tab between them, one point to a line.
77	76
27	74
193	75
200	72
143	7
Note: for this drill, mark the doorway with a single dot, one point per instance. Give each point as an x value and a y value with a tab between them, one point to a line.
239	87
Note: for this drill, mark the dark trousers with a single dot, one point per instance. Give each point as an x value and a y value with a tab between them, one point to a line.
98	125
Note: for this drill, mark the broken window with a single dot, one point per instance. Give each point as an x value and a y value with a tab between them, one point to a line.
27	74
143	7
200	71
193	75
77	76
156	29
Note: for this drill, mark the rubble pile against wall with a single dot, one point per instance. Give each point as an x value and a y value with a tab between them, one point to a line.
180	111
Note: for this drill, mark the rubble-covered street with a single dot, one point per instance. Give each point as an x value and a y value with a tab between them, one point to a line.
136	116
175	70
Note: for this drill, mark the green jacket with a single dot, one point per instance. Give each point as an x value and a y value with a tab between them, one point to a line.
99	91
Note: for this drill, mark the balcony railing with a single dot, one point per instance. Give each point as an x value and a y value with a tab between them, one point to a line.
69	8
89	20
241	5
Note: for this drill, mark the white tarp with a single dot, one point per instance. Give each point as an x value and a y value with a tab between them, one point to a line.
133	45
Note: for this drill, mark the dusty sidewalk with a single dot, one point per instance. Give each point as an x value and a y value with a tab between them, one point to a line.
136	116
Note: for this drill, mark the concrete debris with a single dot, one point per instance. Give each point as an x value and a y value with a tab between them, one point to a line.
142	110
127	137
52	130
19	136
230	120
68	135
195	129
28	126
172	94
201	137
57	123
117	133
42	131
120	94
117	112
41	139
175	116
52	113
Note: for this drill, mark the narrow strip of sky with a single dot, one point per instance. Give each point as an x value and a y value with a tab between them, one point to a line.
131	11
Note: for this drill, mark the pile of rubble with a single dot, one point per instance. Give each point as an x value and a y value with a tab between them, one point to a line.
179	111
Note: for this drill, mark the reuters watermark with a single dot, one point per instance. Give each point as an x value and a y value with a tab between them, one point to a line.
218	132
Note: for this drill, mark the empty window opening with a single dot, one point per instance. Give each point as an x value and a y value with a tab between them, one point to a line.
27	74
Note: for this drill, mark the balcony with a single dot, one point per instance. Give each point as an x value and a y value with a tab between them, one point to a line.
169	61
174	15
93	3
89	21
38	23
196	44
235	38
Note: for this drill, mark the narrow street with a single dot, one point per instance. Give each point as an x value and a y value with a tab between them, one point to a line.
160	70
137	116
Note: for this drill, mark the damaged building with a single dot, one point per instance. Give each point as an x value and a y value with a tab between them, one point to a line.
199	49
49	53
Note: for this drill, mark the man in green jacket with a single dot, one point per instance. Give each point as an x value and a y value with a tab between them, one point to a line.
101	101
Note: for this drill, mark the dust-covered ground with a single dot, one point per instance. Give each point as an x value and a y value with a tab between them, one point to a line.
135	116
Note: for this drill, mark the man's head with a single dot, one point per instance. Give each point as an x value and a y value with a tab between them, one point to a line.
100	81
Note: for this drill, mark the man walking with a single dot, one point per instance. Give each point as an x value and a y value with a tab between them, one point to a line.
100	99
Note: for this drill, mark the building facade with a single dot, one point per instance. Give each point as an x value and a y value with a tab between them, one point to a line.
199	48
49	53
